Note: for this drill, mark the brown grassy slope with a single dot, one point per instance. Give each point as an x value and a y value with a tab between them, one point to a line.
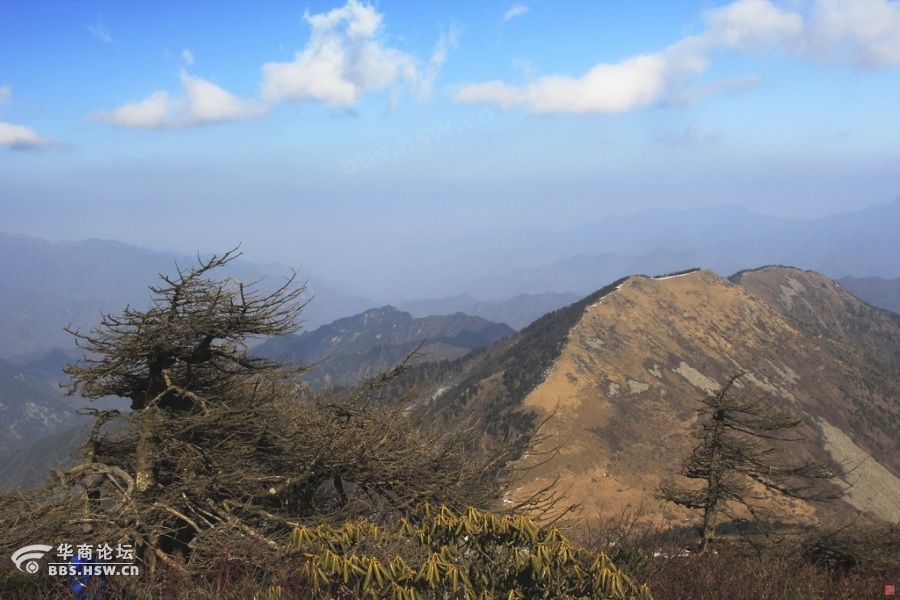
627	382
865	340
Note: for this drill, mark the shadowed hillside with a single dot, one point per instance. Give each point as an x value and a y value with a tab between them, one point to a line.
355	348
27	410
883	293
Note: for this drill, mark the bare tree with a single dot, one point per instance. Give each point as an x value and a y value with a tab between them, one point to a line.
184	353
221	443
741	458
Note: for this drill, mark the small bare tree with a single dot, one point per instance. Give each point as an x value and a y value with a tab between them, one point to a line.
741	457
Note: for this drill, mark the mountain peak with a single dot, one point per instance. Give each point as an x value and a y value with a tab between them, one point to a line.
352	348
387	311
634	359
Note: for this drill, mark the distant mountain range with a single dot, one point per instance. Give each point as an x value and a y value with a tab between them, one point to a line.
517	312
510	278
356	348
883	293
531	282
497	265
621	371
725	239
45	286
39	426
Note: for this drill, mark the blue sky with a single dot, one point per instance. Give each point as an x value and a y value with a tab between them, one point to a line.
304	128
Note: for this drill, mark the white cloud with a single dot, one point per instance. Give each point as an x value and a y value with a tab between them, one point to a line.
694	95
209	103
345	59
864	32
751	25
19	137
607	88
861	32
150	113
425	81
203	102
101	32
516	11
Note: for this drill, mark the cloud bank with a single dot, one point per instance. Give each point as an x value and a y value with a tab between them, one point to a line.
19	137
201	102
344	60
863	32
347	58
860	32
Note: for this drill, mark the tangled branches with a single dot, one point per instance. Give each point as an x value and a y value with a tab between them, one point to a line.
221	444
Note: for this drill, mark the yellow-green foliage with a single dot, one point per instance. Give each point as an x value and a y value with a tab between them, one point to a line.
273	593
437	553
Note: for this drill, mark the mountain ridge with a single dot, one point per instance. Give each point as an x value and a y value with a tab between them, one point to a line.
47	285
621	371
517	312
623	388
352	348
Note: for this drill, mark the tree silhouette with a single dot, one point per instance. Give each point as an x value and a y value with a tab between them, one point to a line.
186	353
221	444
741	457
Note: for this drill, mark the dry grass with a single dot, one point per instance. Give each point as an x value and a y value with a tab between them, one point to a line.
852	563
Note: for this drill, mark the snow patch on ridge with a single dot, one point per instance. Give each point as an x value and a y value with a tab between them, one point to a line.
600	301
